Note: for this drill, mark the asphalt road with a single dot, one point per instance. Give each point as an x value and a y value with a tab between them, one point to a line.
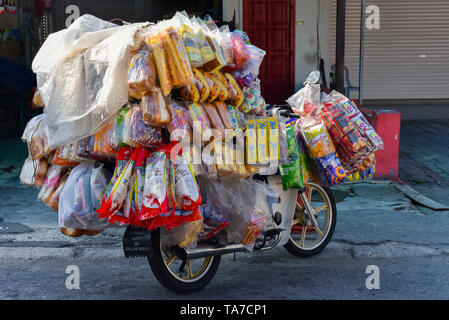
376	225
269	275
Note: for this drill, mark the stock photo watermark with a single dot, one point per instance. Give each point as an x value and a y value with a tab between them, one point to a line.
72	282
372	282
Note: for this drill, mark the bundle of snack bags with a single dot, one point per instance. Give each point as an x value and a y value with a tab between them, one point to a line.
181	154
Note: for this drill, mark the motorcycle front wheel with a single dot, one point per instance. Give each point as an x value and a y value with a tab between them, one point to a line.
182	276
305	239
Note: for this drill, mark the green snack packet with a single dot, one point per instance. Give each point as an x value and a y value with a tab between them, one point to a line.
291	173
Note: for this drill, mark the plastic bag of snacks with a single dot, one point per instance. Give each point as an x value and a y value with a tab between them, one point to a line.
306	100
184	235
180	125
190	40
155	44
141	76
53	201
321	150
291	173
154	109
200	122
78	198
36	137
137	133
353	113
216	208
240	50
33	172
54	173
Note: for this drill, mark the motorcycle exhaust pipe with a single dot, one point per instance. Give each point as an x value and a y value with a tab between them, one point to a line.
203	251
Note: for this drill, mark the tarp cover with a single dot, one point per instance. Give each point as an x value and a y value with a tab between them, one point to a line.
81	76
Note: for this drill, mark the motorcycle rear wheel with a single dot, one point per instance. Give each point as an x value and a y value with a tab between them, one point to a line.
190	276
313	240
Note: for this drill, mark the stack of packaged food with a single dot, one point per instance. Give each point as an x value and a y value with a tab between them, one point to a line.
181	154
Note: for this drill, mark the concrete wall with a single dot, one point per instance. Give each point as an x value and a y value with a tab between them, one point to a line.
308	13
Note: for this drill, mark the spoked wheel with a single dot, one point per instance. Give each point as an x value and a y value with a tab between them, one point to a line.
305	239
178	275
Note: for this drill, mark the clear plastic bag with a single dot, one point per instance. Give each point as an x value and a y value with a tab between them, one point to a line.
136	133
306	100
240	50
141	77
184	235
291	173
154	109
353	113
180	126
158	51
53	201
54	173
33	172
78	199
36	137
186	190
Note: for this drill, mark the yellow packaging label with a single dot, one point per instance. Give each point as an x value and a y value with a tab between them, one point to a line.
251	142
273	138
262	141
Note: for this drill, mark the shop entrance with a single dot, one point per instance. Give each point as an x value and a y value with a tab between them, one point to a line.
270	26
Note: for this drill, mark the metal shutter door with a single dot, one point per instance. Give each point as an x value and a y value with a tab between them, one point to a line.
408	58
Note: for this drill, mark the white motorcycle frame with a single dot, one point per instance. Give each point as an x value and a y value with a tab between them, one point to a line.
286	207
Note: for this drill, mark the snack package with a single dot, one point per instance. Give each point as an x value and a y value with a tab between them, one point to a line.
180	125
219	61
190	92
154	109
205	49
104	144
76	208
214	86
178	52
291	173
200	122
345	106
141	76
240	50
225	41
136	133
186	190
155	194
238	96
202	85
191	45
37	101
51	180
215	119
36	137
321	150
155	43
123	156
225	92
33	172
118	189
53	201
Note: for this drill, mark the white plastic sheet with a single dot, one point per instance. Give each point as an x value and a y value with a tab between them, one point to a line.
81	76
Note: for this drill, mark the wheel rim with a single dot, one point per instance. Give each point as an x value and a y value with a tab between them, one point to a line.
304	235
188	270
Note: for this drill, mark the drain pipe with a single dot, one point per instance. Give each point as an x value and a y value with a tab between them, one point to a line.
362	51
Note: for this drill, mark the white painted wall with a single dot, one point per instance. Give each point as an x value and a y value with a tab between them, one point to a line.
307	14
